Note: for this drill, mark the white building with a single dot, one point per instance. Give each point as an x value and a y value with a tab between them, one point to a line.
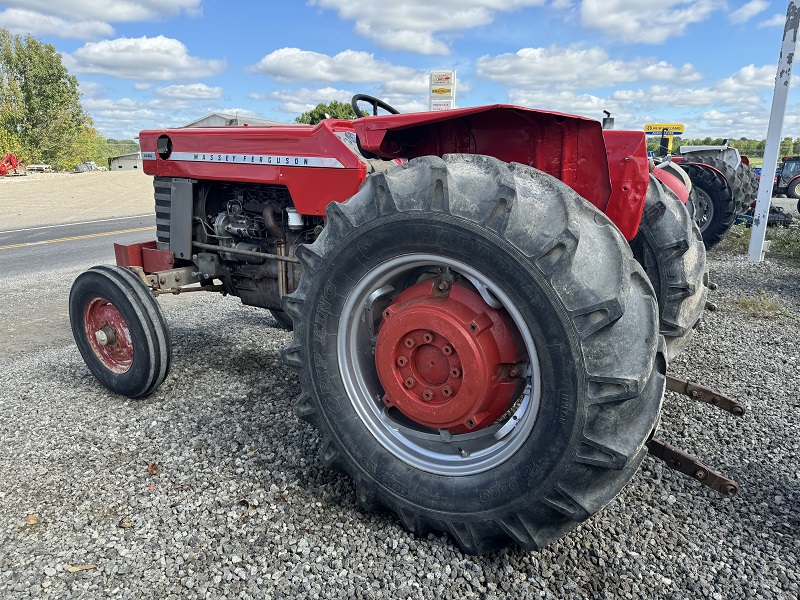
223	120
126	162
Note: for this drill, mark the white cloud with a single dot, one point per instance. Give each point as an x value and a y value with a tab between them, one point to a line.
645	22
588	67
778	20
25	22
748	10
86	19
145	59
91	89
410	25
749	78
565	101
140	86
113	12
293	64
192	91
304	99
242	112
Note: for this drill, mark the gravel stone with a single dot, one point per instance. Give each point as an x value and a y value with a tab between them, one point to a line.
241	507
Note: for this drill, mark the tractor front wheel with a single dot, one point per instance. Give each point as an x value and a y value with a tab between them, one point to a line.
120	331
478	349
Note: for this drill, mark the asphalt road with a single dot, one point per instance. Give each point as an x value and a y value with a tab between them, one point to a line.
31	250
34	263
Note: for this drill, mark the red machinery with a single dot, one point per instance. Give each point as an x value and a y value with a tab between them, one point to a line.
474	340
9	164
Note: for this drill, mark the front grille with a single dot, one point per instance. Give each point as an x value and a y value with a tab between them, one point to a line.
163	194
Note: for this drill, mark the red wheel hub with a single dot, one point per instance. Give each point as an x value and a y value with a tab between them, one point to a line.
448	360
108	335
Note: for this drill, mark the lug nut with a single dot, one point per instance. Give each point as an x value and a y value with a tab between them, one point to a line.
514	372
447	391
409	342
444	285
455	372
428	395
410	382
428	337
447	349
402	361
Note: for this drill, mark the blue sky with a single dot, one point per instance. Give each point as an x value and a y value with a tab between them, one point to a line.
153	63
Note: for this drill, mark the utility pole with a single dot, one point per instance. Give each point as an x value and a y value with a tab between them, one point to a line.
782	79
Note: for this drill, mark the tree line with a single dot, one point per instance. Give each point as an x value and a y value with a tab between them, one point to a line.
41	116
746	146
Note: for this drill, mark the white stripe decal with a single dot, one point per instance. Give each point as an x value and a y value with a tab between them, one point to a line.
254	159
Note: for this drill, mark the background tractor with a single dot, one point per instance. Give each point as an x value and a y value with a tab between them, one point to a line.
476	344
723	187
787	179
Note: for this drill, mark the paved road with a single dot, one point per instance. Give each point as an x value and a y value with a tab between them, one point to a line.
36	262
31	250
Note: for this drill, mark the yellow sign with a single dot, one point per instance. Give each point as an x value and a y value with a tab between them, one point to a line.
665	128
441	90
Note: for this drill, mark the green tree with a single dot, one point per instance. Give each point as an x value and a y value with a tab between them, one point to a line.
786	146
40	110
334	110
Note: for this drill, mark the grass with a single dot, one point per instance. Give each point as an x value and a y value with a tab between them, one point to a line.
784	242
761	306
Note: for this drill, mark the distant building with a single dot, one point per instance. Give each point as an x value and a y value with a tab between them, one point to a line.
126	162
223	120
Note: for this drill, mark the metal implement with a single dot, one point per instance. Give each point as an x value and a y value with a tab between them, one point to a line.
687	464
695	391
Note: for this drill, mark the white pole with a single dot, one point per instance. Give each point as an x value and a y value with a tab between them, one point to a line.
782	79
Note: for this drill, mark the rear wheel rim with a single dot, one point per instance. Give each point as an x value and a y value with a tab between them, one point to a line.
705	209
437	452
108	335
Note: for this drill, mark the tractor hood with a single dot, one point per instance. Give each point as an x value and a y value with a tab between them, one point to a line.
568	147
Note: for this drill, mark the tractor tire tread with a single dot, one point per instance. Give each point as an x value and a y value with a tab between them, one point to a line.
557	233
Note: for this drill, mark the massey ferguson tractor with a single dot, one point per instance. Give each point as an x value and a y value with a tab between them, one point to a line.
483	301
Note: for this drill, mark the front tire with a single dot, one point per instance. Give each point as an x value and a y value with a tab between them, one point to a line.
589	370
120	331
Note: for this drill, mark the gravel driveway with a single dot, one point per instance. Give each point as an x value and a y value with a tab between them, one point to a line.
211	488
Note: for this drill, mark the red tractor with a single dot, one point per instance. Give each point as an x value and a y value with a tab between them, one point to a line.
476	343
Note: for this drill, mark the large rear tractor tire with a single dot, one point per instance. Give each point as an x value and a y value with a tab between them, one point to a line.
715	209
749	186
670	249
478	349
283	321
794	190
120	331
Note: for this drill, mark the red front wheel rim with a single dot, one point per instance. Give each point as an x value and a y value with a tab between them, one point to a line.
108	335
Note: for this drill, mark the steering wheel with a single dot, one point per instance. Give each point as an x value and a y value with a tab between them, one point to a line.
375	102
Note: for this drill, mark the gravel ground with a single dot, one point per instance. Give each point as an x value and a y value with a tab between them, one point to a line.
211	488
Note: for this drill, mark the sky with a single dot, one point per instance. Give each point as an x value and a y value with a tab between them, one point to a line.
144	64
